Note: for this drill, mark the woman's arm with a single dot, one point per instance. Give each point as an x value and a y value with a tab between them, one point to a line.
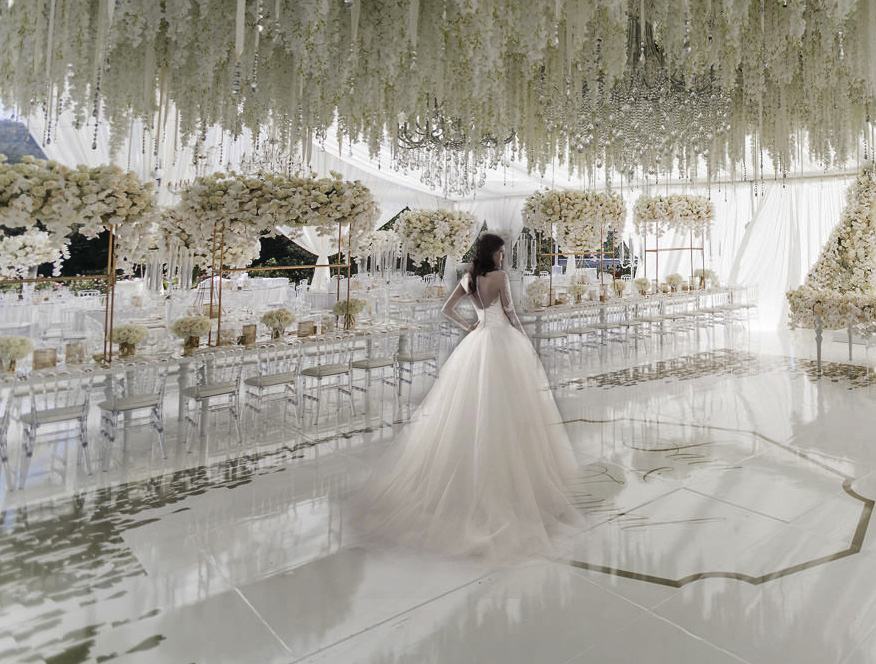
449	308
507	304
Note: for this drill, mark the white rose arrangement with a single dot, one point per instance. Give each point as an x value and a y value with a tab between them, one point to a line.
578	291
583	220
642	285
246	208
129	334
13	348
277	320
676	212
349	312
537	294
836	310
709	275
86	200
840	287
848	260
190	326
674	280
432	234
356	307
533	212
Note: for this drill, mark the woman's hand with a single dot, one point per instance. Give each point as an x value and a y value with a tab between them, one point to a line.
472	327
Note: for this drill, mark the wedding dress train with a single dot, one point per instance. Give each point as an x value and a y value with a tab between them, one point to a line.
482	467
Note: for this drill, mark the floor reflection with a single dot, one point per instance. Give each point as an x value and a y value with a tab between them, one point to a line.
712	482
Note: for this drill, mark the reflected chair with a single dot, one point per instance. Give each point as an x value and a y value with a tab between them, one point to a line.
132	387
217	374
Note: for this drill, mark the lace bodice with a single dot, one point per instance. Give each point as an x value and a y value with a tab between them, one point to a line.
499	311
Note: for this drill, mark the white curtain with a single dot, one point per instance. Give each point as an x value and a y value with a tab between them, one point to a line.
770	240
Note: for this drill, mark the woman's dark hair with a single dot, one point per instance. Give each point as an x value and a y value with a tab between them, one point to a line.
483	262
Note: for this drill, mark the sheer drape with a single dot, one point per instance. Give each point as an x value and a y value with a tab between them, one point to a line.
770	240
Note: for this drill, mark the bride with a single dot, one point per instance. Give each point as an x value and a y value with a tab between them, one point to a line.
482	467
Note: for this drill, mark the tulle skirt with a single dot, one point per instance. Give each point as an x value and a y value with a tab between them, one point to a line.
483	467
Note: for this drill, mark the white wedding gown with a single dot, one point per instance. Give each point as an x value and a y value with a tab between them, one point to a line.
483	465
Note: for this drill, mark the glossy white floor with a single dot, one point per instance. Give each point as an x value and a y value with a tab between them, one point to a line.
727	491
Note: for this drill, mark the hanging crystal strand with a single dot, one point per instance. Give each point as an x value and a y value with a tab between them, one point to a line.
47	136
240	25
255	57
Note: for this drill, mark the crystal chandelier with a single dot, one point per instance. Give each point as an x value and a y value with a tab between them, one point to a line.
441	149
268	156
651	119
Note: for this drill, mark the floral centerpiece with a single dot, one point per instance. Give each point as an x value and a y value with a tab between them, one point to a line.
128	336
583	220
12	349
537	294
533	212
705	276
277	320
619	287
432	234
191	329
642	285
21	253
676	212
674	280
350	312
577	292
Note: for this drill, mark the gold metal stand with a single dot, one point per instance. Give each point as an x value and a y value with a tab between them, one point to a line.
219	253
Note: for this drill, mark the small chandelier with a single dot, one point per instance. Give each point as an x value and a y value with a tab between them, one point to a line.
440	148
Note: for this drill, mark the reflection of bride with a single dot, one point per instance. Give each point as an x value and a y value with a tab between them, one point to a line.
481	468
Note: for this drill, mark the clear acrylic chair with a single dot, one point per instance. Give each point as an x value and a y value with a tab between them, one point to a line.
276	379
133	387
550	339
327	369
378	363
217	373
7	400
57	397
417	356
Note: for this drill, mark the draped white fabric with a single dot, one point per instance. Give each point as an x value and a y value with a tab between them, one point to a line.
770	240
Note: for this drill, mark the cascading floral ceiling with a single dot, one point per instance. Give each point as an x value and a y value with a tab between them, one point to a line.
632	86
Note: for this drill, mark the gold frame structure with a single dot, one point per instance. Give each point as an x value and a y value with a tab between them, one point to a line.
218	251
656	251
219	228
110	302
602	254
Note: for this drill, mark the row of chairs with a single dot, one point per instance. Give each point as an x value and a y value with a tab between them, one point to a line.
302	376
565	333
